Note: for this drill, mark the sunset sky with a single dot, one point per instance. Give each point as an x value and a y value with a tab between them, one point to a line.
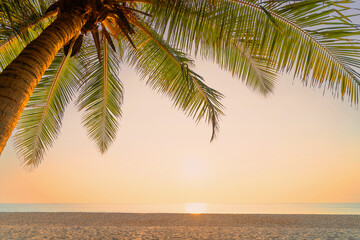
293	146
296	145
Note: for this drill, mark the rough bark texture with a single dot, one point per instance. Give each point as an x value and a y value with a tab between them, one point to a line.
20	77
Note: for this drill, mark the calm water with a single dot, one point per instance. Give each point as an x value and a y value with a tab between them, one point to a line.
308	208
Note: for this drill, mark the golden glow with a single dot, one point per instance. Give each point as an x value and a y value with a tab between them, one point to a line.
293	146
194	167
196	208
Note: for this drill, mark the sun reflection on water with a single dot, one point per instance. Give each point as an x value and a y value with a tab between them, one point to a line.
196	208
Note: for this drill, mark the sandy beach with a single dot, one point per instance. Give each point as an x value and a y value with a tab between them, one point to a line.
176	226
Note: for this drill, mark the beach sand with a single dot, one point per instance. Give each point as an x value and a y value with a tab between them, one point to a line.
176	226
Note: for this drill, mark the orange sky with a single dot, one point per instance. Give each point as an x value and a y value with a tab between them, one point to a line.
293	146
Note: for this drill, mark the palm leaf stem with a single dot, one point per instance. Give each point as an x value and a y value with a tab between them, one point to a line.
46	107
111	28
105	82
144	30
138	25
251	61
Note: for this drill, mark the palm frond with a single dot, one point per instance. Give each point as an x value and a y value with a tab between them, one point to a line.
101	95
325	52
213	44
40	123
169	71
315	55
13	38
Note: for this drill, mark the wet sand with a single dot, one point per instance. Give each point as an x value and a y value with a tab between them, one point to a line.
176	226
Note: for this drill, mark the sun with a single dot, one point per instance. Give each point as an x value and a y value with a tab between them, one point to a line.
196	208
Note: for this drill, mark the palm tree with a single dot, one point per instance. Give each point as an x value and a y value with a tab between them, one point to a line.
84	42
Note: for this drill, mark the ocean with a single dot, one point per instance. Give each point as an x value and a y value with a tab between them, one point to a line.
293	208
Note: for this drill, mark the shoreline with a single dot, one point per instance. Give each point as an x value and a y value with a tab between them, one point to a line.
185	213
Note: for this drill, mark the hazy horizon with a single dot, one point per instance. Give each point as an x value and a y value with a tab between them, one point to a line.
193	208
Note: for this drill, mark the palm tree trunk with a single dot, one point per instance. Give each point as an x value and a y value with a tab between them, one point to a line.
20	77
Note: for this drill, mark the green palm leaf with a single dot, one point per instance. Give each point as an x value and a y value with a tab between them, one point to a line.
268	33
169	71
27	22
40	122
101	95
